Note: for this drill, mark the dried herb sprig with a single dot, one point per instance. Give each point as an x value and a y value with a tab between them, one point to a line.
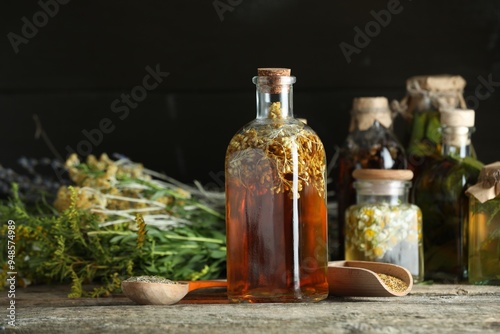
101	235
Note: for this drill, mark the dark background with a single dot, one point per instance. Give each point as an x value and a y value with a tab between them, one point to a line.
90	52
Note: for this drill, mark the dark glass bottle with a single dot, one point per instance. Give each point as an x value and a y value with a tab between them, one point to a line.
369	144
439	191
276	214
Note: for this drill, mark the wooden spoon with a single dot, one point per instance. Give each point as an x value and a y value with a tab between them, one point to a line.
361	279
345	278
164	293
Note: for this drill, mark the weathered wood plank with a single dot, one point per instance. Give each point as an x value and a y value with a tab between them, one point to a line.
428	308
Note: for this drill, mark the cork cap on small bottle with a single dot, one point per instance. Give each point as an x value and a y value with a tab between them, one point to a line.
273	71
367	104
366	110
274	82
456	124
457	117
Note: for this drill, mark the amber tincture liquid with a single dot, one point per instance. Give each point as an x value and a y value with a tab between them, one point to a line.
276	209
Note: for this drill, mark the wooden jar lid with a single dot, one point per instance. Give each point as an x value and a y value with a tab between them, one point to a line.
383	174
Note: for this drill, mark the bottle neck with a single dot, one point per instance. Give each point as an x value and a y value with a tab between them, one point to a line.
456	141
274	96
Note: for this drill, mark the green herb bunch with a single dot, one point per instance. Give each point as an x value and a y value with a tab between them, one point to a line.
117	220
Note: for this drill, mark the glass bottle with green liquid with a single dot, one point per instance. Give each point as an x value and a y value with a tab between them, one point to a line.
439	191
425	96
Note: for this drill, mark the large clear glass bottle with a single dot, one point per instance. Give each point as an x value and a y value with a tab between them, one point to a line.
484	227
370	143
383	226
439	191
426	96
276	213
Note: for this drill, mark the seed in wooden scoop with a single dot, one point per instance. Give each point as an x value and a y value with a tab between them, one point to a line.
393	283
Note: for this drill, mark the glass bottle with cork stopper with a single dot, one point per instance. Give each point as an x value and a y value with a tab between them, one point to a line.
439	191
484	227
383	226
426	96
276	215
370	143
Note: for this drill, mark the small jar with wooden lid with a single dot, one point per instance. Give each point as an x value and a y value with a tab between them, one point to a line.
383	226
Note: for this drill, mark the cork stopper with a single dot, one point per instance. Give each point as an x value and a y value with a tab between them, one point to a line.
457	118
383	174
367	110
274	80
436	83
488	184
273	72
456	126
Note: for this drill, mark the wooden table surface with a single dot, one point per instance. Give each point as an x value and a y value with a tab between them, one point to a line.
427	309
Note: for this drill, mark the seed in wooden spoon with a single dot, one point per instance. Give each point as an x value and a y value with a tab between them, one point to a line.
150	279
394	283
154	290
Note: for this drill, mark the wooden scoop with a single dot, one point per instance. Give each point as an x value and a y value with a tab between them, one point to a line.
165	293
361	279
345	278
